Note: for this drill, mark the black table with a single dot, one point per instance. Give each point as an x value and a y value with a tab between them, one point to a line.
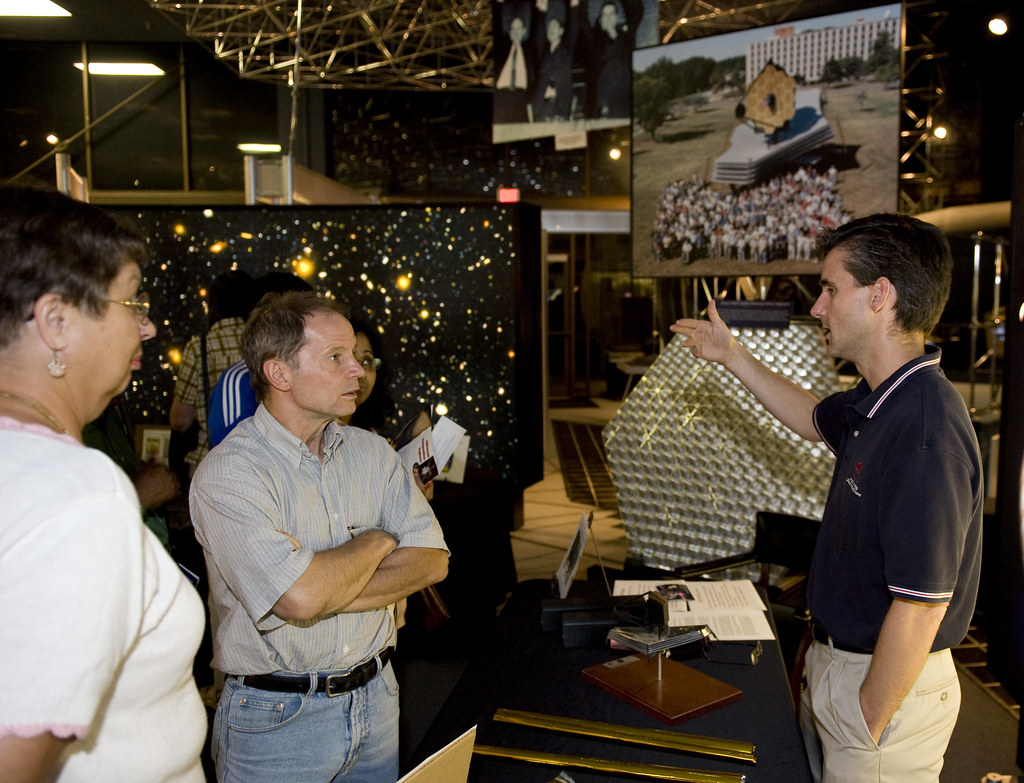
520	667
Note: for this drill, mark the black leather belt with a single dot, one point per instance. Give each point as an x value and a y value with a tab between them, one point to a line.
331	684
821	635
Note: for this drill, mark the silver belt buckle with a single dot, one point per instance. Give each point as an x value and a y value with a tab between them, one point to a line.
329	688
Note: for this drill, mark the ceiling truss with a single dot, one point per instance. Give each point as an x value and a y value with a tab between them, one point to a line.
681	20
922	179
381	44
421	44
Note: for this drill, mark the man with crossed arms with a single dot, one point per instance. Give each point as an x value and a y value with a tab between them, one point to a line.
311	531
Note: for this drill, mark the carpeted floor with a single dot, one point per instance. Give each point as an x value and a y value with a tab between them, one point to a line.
985	738
971	657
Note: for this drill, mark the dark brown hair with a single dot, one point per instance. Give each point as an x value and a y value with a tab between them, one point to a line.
912	254
51	243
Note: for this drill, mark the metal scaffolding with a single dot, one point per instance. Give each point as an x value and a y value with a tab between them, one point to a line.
380	44
923	70
447	45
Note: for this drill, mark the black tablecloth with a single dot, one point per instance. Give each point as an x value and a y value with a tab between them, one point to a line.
521	667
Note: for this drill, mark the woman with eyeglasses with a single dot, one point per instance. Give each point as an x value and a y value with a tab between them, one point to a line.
99	625
375	408
374	405
375	411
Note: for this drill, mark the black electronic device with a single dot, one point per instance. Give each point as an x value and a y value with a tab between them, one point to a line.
587	629
757	313
553	610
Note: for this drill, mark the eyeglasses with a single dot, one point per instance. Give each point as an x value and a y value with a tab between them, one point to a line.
370	363
140	305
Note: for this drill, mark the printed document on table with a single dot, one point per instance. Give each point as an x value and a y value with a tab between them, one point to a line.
733	609
735	627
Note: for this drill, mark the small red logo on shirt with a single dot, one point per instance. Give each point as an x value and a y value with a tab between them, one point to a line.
852	481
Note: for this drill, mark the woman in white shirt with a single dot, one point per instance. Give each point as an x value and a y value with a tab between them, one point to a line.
99	626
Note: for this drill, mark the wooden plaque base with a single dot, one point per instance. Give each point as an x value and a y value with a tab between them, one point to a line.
679	694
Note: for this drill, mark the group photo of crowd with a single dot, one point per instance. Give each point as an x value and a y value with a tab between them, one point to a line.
775	219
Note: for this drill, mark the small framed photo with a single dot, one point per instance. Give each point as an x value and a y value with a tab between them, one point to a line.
675	592
154	443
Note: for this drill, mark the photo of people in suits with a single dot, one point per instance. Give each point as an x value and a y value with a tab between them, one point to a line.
564	66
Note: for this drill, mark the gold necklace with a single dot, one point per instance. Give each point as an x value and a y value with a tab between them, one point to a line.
38	409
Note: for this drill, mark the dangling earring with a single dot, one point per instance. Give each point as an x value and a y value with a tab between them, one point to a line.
57	366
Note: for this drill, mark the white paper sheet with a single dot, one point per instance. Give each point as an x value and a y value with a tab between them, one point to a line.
732	608
446	437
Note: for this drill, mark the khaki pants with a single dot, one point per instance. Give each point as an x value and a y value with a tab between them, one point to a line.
839	746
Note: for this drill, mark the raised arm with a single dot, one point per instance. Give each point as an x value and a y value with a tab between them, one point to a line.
785	400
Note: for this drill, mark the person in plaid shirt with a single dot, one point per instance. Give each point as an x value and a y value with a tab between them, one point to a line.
230	300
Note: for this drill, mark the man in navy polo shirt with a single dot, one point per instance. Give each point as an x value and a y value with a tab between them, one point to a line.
895	572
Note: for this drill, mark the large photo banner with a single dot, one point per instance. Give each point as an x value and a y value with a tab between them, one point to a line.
744	144
563	67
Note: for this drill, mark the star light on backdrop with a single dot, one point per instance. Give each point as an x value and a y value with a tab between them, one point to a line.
694	456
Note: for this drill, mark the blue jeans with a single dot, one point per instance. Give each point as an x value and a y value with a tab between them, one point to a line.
270	737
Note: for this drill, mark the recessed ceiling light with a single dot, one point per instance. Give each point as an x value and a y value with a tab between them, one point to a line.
122	69
257	148
31	8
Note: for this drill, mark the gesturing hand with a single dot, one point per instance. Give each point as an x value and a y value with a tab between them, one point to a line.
709	339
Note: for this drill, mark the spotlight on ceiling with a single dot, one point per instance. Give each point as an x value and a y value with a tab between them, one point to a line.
940	132
997	26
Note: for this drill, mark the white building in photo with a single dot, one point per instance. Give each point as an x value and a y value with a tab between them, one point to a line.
805	53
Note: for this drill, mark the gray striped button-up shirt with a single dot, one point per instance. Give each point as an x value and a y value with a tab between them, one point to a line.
261	480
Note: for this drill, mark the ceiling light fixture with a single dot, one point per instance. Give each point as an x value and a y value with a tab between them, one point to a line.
254	149
31	8
997	26
122	69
